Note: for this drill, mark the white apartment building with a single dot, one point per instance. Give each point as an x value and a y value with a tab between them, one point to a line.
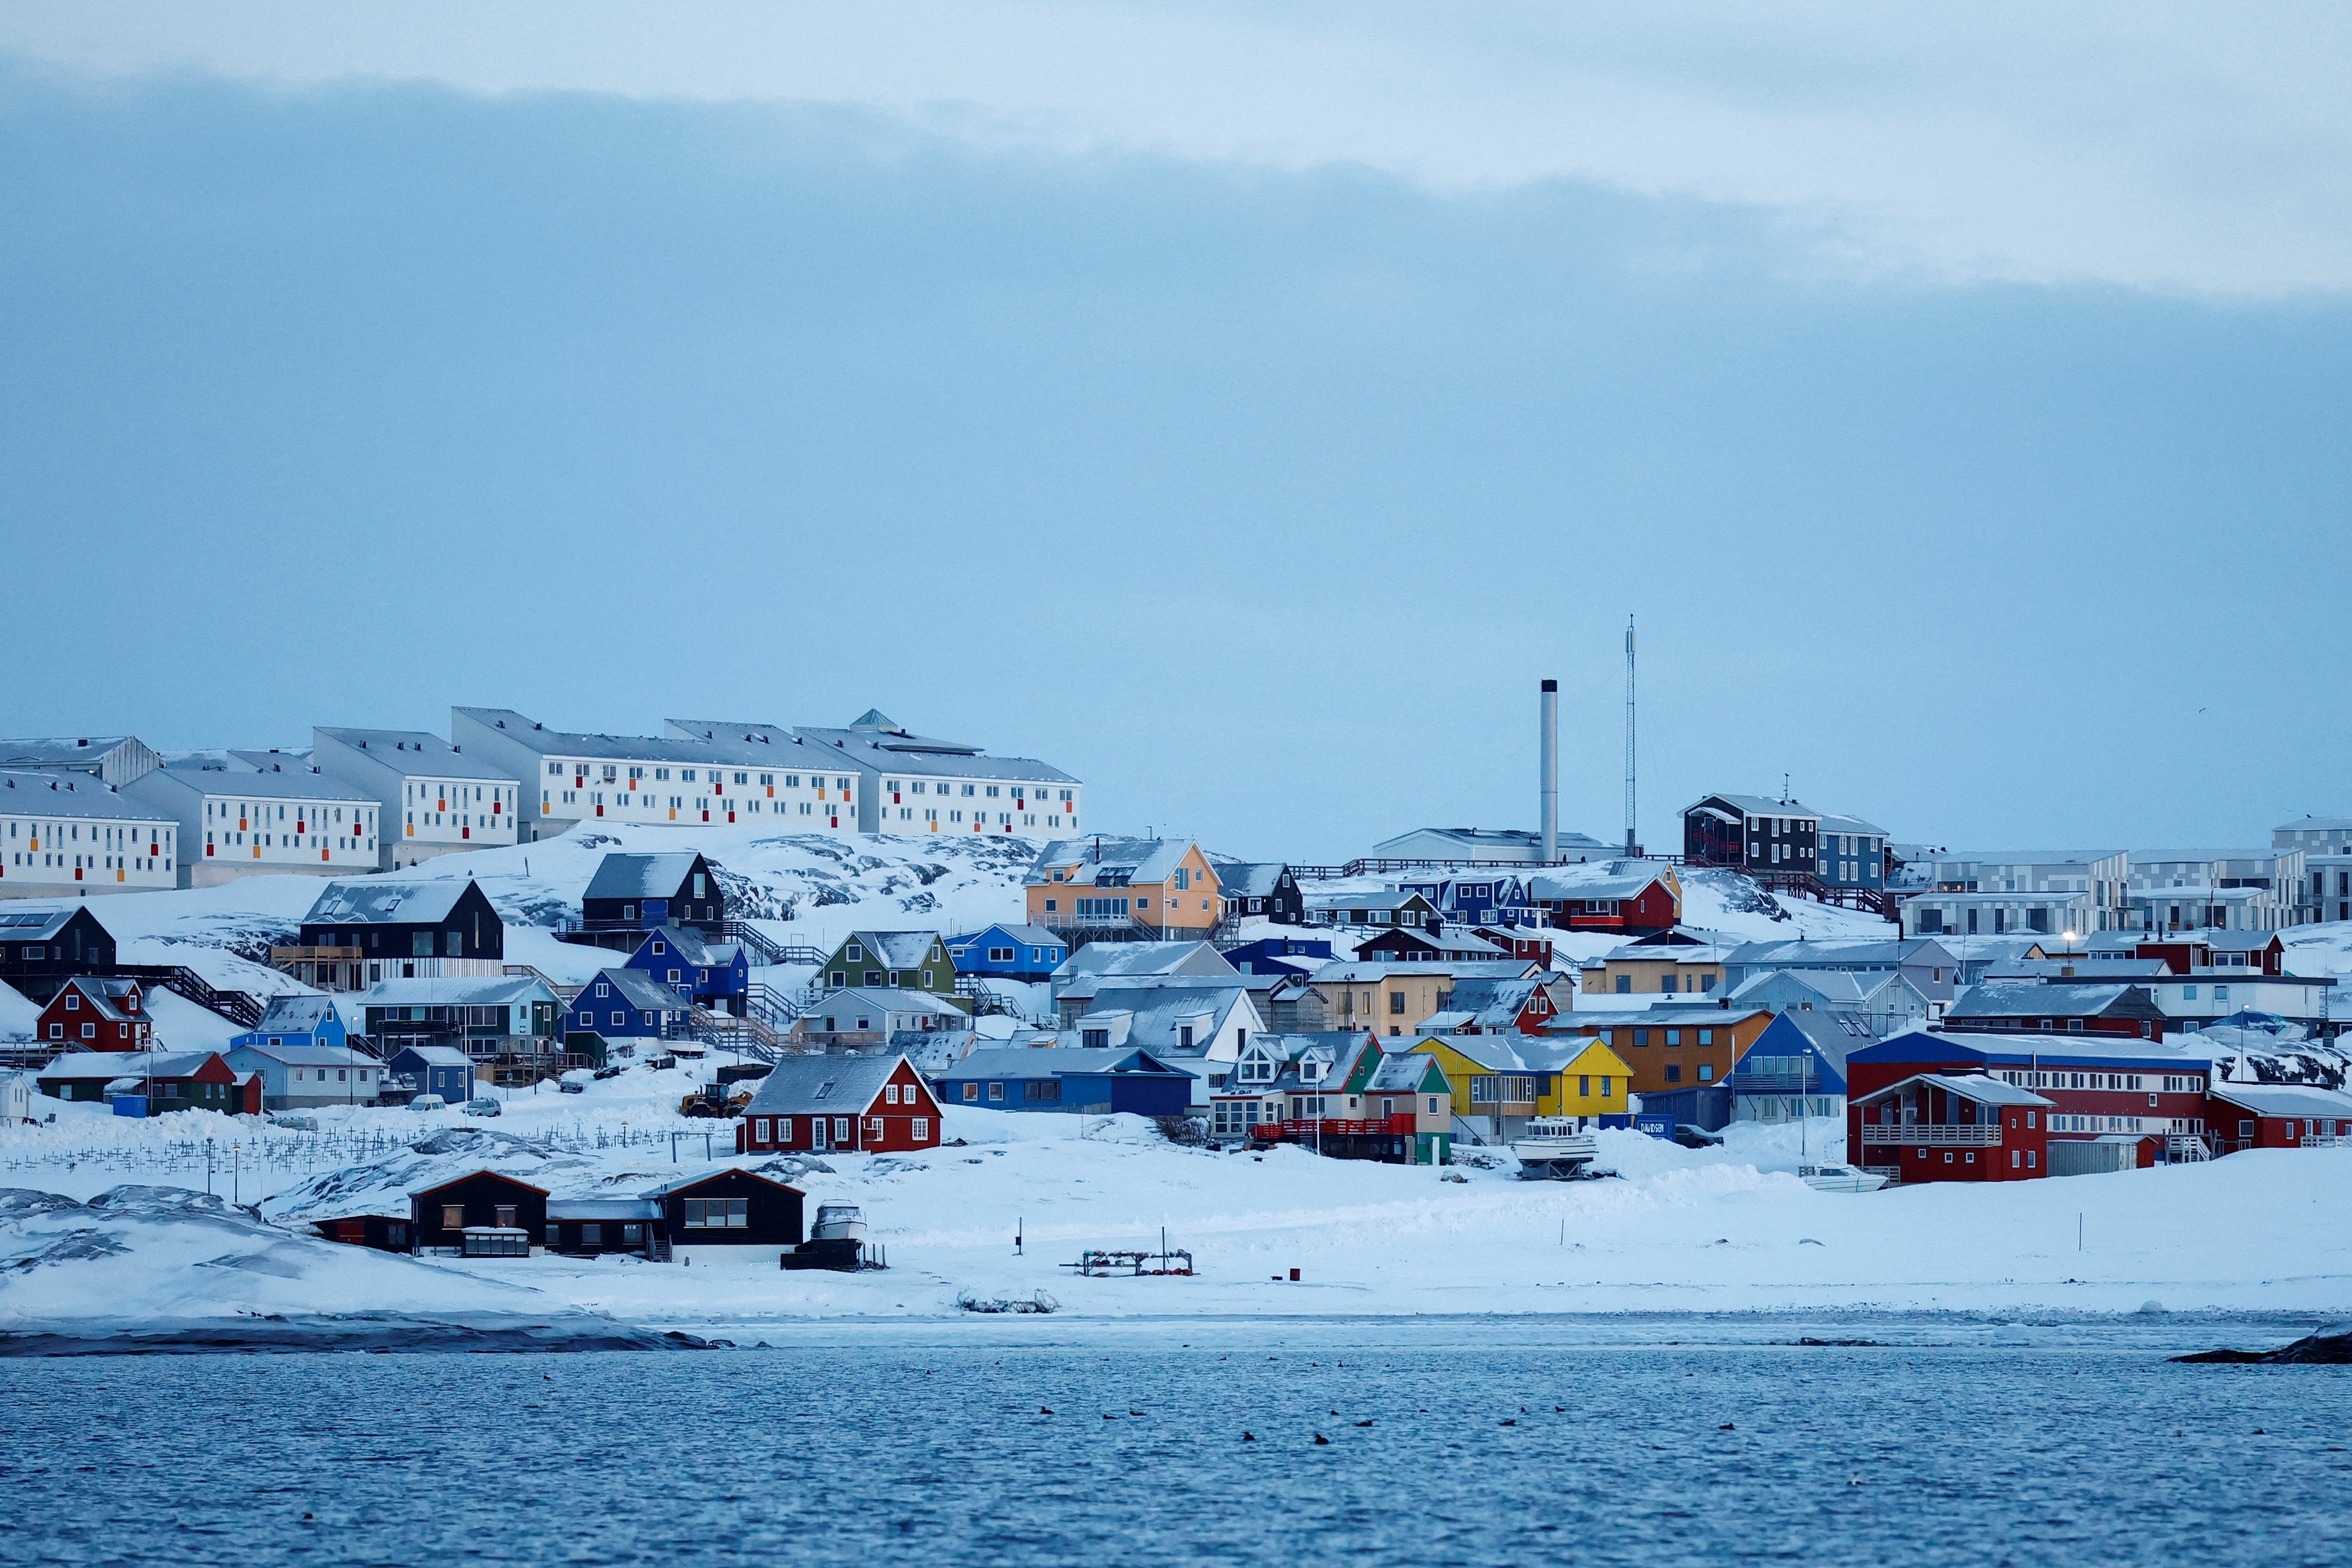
434	800
563	778
2224	889
2327	846
901	782
241	823
2035	893
67	833
116	759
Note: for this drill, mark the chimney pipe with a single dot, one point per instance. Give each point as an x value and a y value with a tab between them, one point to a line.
1547	768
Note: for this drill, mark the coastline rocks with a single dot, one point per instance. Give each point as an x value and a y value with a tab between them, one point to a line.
2329	1347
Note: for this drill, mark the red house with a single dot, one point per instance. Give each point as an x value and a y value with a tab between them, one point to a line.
878	1105
92	1014
2276	1116
1952	1126
1609	895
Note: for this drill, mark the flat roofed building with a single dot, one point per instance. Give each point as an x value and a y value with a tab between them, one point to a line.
68	834
245	824
435	798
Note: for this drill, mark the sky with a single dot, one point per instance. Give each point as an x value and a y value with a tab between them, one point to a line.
1241	408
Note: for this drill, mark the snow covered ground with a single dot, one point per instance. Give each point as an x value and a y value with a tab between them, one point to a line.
1727	1229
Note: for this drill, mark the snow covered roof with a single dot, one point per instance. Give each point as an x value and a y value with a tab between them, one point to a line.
1388	898
1054	1061
1487	844
640	875
1833	824
383	900
1250	878
1759	806
2284	1099
2084	969
106	1066
1827	953
77	795
635	988
436	1055
2025	999
1600	879
801	1085
461	990
295	1012
301	1055
1445	1022
415	751
1403	1072
1029	935
529	734
691	945
1104	958
889	752
896	949
2024	1046
1085	860
2301	825
1983	1088
2025	857
220	783
873	1000
1830	985
1494	1053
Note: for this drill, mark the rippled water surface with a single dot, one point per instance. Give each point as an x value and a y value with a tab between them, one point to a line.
1491	1451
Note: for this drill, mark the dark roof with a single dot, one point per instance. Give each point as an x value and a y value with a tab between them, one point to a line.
688	1183
2029	999
640	877
801	1085
383	900
485	1171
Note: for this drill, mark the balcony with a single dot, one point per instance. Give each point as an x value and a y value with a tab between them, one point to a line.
1935	1135
1399	1126
315	956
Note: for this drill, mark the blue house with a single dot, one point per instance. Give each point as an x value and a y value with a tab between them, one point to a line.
299	1021
1098	1082
1280	956
1487	897
442	1070
626	1005
716	973
1851	852
1028	952
1796	1066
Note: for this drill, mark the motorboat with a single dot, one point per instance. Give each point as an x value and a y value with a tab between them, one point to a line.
1840	1178
838	1222
1552	1149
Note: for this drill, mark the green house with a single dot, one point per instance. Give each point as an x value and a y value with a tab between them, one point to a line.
900	960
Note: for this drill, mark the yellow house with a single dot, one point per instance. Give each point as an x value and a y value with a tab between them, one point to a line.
1391	999
1650	971
1493	1086
1582	1078
1164	887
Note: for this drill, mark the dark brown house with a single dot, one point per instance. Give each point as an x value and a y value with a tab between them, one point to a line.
40	949
385	1232
732	1207
485	1215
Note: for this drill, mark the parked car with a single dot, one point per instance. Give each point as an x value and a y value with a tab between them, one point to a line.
428	1102
485	1106
612	1071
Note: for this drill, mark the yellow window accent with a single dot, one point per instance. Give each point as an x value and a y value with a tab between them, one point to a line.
545	807
118	874
412	829
673	813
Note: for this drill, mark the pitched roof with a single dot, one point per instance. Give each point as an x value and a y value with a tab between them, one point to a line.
1085	860
2284	1099
641	876
109	1065
638	988
38	925
1757	806
415	751
76	795
303	1055
528	733
435	1055
1028	935
687	942
896	949
1055	1061
473	992
1250	878
801	1085
295	1012
2022	998
219	781
420	900
877	999
1983	1088
1600	879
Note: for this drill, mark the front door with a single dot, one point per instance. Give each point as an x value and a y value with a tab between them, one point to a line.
816	1133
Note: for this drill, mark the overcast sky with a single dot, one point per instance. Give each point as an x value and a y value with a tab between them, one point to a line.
1241	407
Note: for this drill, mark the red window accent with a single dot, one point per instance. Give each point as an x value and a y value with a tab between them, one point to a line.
496	807
706	816
730	816
465	832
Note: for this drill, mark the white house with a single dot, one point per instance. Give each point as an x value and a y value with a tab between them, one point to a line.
68	833
1490	846
241	823
901	782
434	800
302	1077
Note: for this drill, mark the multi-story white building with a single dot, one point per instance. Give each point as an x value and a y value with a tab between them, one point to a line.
2226	889
2023	892
564	778
68	833
907	783
241	823
2327	846
115	758
435	798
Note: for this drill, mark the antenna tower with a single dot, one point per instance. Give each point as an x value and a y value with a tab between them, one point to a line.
1631	849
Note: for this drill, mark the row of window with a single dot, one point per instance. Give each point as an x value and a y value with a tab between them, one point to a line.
831	1132
154	833
88	862
610	772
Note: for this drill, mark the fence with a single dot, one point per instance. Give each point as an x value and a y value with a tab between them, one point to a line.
268	1154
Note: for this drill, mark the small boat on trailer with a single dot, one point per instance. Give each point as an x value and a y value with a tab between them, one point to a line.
1553	1149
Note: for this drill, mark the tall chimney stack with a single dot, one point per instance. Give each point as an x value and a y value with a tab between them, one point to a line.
1549	771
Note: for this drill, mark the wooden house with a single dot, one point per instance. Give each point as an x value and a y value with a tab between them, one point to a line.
645	892
593	1227
1681	1054
41	949
1339	1094
875	1104
858	1018
485	1215
1579	1077
1011	952
2059	1006
1494	1086
383	1232
622	1006
731	1208
1964	1126
891	960
1095	1081
713	975
1629	896
92	1014
1262	891
2276	1116
360	934
153	1082
1125	889
442	1070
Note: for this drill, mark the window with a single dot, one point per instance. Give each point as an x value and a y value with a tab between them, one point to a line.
889	1094
718	1213
453	1217
971	1091
1674	1074
996	1091
922	1128
1396	1001
506	1215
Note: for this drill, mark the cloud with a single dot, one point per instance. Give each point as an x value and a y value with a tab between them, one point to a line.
2196	149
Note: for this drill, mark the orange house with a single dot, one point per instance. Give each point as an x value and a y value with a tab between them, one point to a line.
1163	889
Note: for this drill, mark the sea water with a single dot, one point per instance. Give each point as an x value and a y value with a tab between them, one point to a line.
1416	1447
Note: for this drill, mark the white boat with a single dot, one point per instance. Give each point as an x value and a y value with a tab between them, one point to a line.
838	1222
1840	1178
1551	1148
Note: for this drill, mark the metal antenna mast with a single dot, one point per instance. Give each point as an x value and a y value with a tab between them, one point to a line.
1631	848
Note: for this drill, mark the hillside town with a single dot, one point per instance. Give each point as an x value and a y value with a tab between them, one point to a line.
1502	996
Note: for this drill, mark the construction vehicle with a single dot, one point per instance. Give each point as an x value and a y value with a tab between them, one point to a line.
712	1100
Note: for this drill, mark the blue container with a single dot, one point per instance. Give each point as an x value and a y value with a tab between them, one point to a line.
130	1104
1656	1126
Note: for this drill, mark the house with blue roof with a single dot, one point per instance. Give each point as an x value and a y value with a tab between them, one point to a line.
1024	953
1098	1082
717	975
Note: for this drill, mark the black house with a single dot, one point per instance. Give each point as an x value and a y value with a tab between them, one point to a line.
590	1227
1752	832
41	949
1263	888
485	1215
387	919
383	1232
642	893
732	1207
